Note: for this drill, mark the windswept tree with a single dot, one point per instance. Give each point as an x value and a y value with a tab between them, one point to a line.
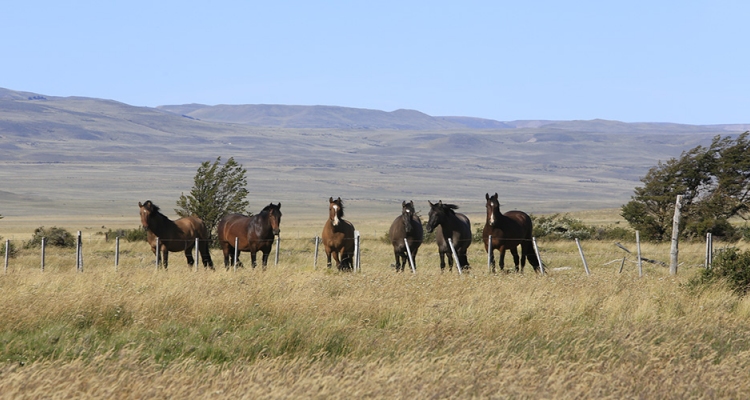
714	182
218	190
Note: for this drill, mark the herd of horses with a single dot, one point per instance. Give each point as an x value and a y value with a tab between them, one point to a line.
237	233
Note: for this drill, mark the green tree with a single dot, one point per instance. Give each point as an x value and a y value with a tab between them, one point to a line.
714	182
218	190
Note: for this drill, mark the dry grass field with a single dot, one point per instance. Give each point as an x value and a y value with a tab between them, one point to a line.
294	331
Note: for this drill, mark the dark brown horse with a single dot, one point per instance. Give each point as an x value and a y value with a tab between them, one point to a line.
508	231
253	234
338	236
406	226
449	224
177	235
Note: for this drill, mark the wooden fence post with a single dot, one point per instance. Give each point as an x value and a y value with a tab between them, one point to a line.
158	252
455	256
7	254
489	254
675	236
411	259
278	242
44	245
315	260
538	256
79	253
638	246
580	250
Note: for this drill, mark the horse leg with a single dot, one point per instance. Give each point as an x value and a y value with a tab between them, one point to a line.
265	258
335	255
398	259
253	259
501	262
165	257
227	250
328	256
463	259
442	261
206	255
189	256
514	252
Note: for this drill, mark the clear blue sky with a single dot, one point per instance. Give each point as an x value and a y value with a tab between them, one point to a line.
656	61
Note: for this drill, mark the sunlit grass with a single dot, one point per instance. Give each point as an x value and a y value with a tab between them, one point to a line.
297	331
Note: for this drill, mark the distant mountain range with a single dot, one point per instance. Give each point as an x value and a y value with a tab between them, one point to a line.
78	154
285	116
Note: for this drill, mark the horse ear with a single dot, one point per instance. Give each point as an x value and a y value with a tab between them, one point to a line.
440	202
430	203
140	205
495	196
279	206
403	204
330	199
339	199
486	196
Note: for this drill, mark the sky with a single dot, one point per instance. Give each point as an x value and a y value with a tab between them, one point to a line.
632	61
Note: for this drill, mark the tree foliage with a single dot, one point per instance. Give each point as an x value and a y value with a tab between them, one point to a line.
218	190
714	182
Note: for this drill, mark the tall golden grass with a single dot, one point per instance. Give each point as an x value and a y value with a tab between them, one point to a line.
294	331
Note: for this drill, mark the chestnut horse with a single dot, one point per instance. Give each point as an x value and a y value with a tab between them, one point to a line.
253	234
177	235
406	226
449	224
338	236
508	231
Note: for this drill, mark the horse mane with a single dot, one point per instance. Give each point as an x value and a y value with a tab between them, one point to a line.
341	207
449	208
151	206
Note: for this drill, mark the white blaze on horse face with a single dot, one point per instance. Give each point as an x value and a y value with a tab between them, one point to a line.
492	213
335	215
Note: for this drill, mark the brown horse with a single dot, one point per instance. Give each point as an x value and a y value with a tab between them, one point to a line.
177	235
449	224
508	231
253	234
338	236
406	226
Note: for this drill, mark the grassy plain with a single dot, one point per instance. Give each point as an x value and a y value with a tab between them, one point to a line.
295	331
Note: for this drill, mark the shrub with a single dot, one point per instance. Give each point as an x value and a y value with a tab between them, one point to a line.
130	235
12	251
561	227
729	265
57	237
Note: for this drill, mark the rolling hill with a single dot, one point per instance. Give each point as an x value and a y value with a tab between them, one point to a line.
84	155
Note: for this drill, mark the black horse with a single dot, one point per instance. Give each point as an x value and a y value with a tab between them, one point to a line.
406	226
508	231
449	224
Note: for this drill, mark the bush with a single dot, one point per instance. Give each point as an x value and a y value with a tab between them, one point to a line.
12	251
131	235
57	237
729	265
561	227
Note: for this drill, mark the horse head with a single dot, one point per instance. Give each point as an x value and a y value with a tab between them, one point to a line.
147	210
274	216
407	213
438	213
493	208
335	210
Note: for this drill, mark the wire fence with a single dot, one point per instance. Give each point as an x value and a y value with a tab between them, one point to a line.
307	251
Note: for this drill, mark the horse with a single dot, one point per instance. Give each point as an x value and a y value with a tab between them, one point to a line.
177	235
253	234
338	236
508	231
449	224
406	226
